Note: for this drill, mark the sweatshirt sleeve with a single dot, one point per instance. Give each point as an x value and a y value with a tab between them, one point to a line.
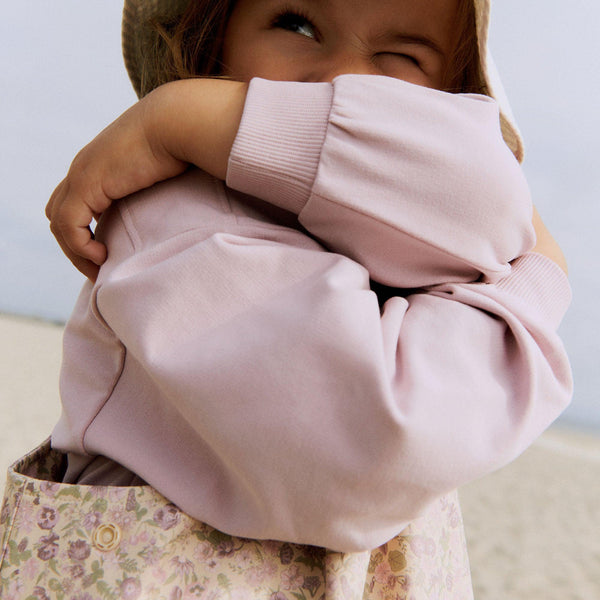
415	184
256	382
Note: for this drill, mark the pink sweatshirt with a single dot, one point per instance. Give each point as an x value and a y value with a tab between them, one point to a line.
233	354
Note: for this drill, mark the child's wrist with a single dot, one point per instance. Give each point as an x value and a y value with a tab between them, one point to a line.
195	121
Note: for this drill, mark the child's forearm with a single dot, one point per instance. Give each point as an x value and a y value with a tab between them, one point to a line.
195	121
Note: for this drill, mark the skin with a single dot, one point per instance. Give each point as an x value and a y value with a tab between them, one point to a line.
314	41
196	120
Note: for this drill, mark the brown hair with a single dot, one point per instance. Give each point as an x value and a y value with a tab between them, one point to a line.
190	46
464	73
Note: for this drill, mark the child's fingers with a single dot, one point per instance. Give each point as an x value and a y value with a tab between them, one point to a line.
70	218
58	192
83	265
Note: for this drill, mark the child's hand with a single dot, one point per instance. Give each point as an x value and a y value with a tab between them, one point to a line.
546	244
119	161
191	121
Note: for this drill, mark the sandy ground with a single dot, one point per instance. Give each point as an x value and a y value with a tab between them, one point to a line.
533	527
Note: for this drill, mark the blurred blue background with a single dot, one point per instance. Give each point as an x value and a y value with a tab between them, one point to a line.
63	81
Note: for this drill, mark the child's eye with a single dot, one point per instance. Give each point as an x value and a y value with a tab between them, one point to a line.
296	23
400	56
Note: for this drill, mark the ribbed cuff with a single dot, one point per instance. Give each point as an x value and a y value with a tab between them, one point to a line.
540	281
276	153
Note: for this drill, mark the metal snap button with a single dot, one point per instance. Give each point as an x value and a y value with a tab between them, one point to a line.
106	537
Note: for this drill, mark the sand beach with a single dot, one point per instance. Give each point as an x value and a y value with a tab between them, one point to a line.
533	528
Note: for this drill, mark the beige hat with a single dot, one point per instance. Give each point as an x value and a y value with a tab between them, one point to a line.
138	38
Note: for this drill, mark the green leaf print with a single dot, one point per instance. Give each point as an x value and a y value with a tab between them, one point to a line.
69	490
100	505
217	537
312	562
53	564
397	561
14	554
376	559
92	578
129	565
106	591
223	581
171	578
199	533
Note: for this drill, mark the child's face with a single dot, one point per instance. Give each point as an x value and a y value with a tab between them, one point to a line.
316	40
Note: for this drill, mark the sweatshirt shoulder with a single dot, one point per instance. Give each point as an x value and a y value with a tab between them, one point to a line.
192	201
197	206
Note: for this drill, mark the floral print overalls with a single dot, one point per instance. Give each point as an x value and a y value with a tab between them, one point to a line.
76	542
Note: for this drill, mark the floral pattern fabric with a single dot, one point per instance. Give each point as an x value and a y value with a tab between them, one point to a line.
76	542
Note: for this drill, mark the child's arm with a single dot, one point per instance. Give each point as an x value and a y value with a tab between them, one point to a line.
304	410
546	244
196	121
416	185
192	121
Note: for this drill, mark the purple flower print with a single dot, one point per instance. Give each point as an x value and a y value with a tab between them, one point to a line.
92	520
182	566
77	571
47	517
203	551
79	550
225	548
40	592
23	545
121	517
384	575
167	517
67	586
130	588
312	583
99	491
278	596
291	578
131	504
49	488
48	548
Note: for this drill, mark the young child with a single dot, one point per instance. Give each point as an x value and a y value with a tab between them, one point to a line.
321	351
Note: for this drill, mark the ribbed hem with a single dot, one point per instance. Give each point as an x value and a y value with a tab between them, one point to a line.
540	281
276	153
